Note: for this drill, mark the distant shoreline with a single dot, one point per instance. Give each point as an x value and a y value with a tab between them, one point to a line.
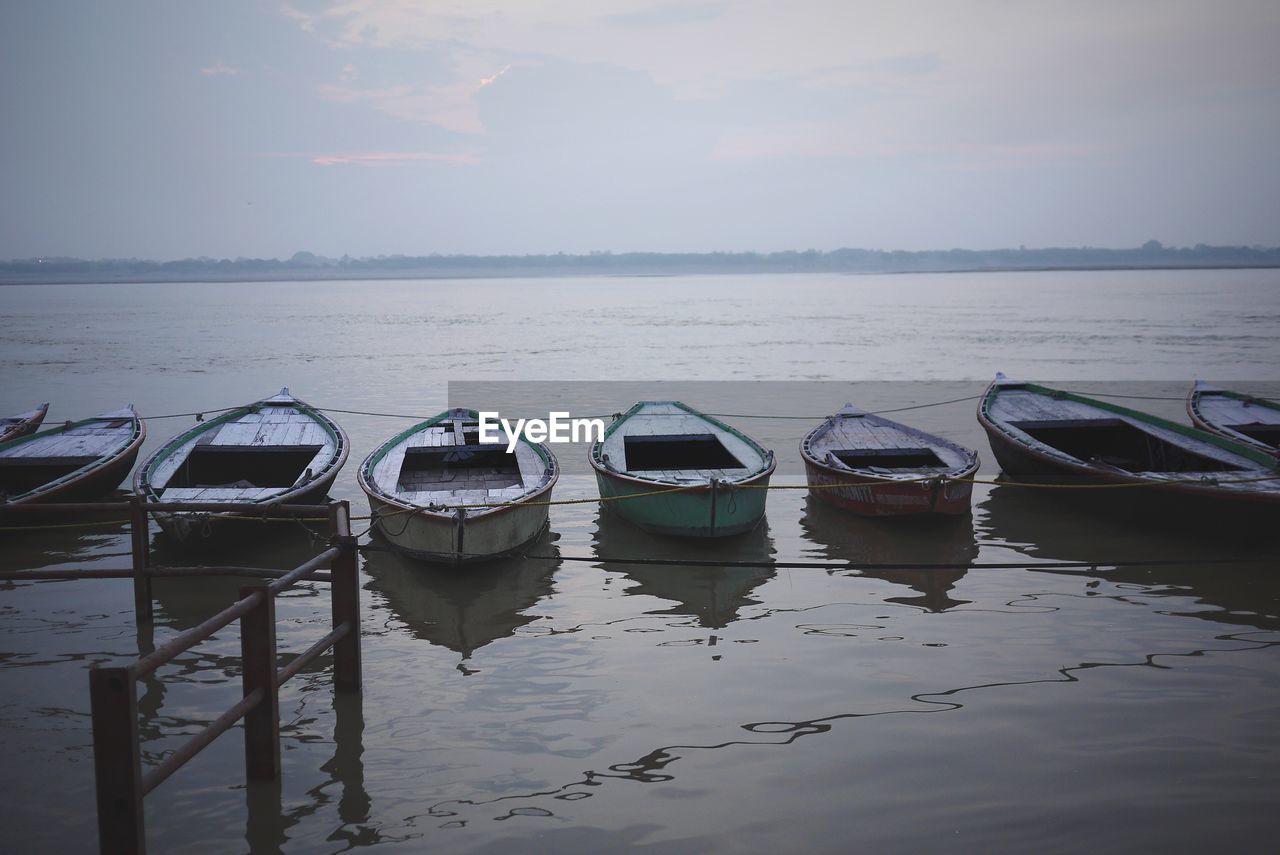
391	276
306	267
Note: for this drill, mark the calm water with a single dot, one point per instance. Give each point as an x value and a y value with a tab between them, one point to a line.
563	705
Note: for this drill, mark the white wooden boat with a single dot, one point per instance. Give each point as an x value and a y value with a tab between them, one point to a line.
78	460
278	450
657	446
23	423
1243	418
1058	436
874	466
439	494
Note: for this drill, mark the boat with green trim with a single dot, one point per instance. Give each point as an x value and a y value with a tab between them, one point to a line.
439	493
1061	437
77	460
1244	418
22	424
670	469
279	450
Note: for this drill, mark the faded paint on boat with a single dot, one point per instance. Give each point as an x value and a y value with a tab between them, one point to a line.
868	491
1235	415
111	441
684	503
23	423
280	423
440	531
1244	476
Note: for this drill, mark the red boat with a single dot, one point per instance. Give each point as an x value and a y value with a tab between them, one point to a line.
874	466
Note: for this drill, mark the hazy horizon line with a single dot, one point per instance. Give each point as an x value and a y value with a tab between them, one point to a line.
306	256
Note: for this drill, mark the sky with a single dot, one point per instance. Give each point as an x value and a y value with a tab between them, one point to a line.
259	128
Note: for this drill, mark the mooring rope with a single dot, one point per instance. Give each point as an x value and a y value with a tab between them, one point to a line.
419	417
871	485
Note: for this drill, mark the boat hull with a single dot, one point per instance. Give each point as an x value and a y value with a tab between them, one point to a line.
1017	460
29	425
689	512
885	497
95	483
194	529
444	537
1200	420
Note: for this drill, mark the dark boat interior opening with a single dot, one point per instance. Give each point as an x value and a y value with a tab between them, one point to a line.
1117	443
20	475
888	458
486	467
677	451
239	466
1270	434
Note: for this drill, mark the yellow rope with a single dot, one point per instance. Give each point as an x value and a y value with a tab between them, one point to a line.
869	484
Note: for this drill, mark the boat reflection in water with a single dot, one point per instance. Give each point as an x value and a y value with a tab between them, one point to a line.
186	601
1244	592
463	609
711	594
841	536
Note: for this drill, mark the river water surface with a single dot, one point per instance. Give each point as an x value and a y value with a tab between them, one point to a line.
563	704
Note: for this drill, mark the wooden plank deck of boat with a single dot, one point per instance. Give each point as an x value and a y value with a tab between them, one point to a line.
473	489
1225	411
267	428
93	440
219	494
667	419
1013	405
847	433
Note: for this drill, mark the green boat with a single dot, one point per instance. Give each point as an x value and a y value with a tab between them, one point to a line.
690	475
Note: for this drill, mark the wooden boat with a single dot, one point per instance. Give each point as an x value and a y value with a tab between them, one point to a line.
1243	418
78	460
416	480
23	423
887	468
278	450
658	446
1057	436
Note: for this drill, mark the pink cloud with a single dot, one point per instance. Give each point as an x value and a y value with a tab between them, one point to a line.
219	70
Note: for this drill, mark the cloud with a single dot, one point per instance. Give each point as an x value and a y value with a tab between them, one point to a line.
697	48
450	106
490	80
219	70
380	158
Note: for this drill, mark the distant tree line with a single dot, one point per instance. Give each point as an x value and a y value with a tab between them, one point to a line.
306	265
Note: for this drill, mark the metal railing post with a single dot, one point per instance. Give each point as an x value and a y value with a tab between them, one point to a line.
258	671
117	760
344	594
139	531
